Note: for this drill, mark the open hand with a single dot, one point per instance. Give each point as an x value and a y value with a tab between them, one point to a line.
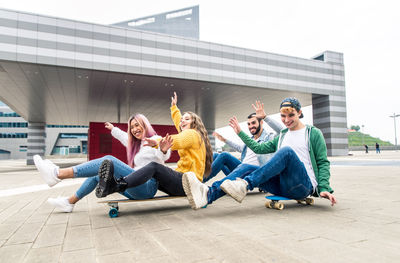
150	142
259	108
329	196
166	143
233	122
108	125
174	99
219	136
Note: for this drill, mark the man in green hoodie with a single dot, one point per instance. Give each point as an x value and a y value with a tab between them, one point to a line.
299	167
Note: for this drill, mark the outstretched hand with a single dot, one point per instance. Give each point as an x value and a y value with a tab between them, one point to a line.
219	136
329	196
174	99
233	122
150	142
108	125
166	143
259	108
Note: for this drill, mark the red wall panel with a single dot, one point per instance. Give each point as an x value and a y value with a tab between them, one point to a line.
101	142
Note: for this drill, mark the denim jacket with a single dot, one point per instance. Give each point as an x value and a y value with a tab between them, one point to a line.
264	137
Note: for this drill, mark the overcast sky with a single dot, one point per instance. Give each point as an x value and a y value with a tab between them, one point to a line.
366	31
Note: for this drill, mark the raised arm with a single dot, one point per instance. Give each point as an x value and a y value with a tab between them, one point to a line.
260	113
175	112
117	133
258	148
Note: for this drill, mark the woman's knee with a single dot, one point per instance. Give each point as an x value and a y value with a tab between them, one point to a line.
109	157
153	165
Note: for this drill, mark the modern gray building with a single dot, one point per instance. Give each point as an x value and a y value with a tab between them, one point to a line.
59	71
59	139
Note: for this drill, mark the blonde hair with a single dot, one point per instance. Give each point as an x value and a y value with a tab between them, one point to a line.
288	109
198	125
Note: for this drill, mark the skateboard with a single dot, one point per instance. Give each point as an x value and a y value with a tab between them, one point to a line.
274	201
114	208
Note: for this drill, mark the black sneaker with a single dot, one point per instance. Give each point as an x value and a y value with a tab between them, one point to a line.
107	184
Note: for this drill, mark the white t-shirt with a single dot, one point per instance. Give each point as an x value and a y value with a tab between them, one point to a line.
297	141
251	157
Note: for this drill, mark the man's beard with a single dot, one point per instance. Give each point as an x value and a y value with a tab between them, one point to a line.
257	130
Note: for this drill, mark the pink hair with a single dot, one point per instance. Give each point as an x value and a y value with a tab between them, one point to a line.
133	146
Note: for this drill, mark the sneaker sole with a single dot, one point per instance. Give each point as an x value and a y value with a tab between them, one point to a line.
188	192
105	171
234	196
39	162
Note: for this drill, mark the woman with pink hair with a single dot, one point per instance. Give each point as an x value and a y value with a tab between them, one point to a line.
139	153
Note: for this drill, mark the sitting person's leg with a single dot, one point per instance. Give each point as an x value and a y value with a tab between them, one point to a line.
52	174
241	171
225	169
144	191
88	169
200	194
284	164
169	180
222	161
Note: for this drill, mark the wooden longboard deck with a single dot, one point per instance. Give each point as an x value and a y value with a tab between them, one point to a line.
157	198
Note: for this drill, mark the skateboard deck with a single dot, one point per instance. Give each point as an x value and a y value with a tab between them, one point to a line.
114	208
274	201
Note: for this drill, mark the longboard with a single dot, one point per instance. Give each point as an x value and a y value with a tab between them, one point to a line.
114	208
274	201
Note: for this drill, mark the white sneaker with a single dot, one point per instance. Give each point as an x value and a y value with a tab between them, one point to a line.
62	204
196	191
47	170
236	189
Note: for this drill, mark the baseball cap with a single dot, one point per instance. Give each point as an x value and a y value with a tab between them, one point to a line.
293	103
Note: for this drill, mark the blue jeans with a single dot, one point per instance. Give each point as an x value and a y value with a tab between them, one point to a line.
284	174
222	161
90	169
215	192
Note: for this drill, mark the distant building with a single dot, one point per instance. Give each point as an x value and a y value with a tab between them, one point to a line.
182	22
59	140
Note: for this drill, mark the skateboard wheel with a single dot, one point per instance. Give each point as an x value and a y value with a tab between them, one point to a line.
113	212
279	206
299	201
268	204
309	201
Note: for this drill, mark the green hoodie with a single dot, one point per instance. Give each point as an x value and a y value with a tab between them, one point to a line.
316	148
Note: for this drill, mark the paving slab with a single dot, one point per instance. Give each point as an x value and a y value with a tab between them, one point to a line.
363	227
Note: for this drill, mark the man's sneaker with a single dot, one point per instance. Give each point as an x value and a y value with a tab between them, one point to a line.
236	189
196	191
62	204
47	170
107	184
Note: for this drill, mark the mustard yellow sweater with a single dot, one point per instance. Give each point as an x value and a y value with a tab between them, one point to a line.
190	147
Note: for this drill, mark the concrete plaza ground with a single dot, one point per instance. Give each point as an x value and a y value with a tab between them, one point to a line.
363	227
